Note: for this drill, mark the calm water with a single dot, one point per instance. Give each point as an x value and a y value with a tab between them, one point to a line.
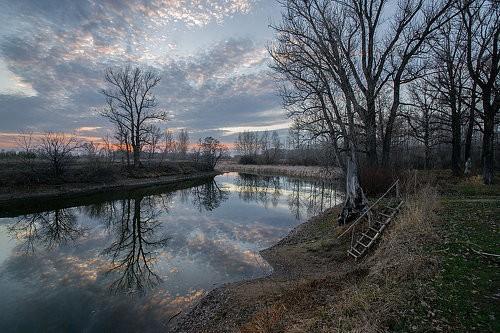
130	264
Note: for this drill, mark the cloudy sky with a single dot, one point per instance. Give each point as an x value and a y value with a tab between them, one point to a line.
211	55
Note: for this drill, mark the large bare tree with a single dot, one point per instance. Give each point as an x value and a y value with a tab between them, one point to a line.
482	29
339	59
132	105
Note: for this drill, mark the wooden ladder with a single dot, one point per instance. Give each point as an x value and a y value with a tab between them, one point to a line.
377	220
373	231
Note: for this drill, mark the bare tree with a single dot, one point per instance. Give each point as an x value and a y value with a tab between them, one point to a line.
153	137
26	142
58	149
482	29
108	149
247	144
265	146
211	150
182	144
337	58
448	55
275	146
422	117
169	143
131	105
365	51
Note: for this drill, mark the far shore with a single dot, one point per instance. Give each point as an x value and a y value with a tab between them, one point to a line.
18	199
298	171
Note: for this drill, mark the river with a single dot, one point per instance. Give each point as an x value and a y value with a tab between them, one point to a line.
130	264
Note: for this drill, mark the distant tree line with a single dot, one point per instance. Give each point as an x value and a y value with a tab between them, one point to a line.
264	147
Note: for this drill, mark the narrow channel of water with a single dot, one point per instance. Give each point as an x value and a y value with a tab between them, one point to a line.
130	264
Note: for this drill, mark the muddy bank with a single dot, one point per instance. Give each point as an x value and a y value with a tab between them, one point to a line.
45	196
313	172
310	255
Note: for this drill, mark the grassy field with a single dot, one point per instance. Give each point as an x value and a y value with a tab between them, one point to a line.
464	295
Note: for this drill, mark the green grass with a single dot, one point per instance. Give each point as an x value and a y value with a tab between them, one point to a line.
465	294
467	287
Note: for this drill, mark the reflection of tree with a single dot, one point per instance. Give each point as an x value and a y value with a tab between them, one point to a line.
208	196
305	197
310	197
48	229
263	189
105	211
134	251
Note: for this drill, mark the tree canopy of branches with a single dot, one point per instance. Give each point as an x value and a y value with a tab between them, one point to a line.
481	20
182	144
132	106
247	143
210	151
57	148
339	60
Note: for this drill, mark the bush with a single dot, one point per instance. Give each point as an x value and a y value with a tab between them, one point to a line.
247	159
376	181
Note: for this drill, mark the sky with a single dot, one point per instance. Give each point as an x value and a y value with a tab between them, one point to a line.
210	54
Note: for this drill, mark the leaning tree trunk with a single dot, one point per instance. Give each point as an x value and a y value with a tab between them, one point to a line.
355	201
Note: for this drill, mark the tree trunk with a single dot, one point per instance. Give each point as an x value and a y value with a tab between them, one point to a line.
355	201
455	143
137	155
371	135
468	135
488	146
427	158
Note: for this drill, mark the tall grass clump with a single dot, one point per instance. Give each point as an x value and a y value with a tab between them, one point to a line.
397	270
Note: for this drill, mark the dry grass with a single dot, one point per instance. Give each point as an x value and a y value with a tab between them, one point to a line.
269	320
315	172
396	269
372	296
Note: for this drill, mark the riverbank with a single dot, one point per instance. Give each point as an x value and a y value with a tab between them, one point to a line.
406	284
20	198
313	172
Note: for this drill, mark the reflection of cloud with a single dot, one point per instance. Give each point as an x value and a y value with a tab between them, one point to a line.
206	248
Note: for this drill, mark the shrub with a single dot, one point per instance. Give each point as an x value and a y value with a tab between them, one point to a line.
247	159
376	181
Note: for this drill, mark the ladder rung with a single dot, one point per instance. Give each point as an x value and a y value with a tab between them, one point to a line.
352	254
370	238
363	244
385	215
354	249
375	230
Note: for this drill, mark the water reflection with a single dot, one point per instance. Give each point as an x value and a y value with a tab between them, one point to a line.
209	196
304	197
167	249
48	229
134	249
